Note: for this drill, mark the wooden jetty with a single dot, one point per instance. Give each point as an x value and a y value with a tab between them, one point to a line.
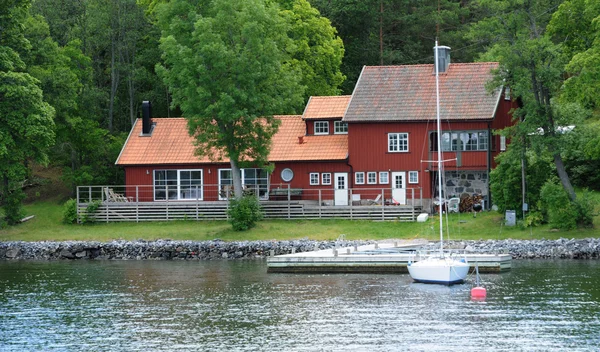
389	257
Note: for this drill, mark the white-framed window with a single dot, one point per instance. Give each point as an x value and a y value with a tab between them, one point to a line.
397	142
326	178
178	184
507	93
384	178
359	178
253	180
314	178
371	177
472	140
502	143
287	174
340	127
321	127
413	177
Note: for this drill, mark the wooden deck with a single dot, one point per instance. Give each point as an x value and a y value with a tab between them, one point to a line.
201	210
380	258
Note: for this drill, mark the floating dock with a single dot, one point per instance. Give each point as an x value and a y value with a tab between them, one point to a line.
388	257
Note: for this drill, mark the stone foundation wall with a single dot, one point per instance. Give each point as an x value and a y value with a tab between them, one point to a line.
471	182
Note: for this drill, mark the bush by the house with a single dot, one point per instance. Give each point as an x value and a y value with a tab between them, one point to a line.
70	212
244	212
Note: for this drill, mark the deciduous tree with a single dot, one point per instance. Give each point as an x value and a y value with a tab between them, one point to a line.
26	125
229	70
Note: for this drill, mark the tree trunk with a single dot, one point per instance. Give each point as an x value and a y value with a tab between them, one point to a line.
564	177
237	179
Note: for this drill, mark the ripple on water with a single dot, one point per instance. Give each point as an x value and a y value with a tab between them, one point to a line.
216	306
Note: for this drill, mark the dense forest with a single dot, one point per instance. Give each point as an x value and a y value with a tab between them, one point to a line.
73	74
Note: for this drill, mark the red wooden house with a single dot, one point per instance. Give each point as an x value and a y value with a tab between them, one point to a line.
379	140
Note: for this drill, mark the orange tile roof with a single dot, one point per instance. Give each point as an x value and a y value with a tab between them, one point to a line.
326	107
171	144
286	146
407	93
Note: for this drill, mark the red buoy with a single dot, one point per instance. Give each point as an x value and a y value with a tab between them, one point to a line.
478	292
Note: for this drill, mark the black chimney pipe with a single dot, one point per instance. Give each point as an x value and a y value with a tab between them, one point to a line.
146	117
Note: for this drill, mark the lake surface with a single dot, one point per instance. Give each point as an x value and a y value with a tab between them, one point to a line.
236	306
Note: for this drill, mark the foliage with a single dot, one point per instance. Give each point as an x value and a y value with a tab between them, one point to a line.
317	51
532	65
245	212
230	75
90	210
392	32
70	212
13	212
26	125
533	219
560	212
506	179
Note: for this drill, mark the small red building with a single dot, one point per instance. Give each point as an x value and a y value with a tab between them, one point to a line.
376	144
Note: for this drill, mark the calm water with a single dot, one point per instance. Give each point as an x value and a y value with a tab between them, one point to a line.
236	306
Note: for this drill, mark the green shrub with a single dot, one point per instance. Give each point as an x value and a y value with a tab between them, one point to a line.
561	213
70	212
244	212
533	219
89	211
586	209
13	209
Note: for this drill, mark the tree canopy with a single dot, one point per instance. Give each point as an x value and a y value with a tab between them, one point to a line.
230	75
26	125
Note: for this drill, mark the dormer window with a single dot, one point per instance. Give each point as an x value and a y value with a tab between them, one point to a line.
340	127
321	127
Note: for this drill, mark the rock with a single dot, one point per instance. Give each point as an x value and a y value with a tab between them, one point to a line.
67	254
12	253
81	254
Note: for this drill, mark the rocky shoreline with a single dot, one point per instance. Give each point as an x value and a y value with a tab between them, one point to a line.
588	248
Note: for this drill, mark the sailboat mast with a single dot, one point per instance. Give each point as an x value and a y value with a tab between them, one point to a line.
439	143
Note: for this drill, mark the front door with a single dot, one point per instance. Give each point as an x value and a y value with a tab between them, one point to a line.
399	187
341	188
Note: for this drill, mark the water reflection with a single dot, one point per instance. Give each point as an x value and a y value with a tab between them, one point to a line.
141	306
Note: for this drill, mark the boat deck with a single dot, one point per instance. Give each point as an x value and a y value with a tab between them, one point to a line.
387	257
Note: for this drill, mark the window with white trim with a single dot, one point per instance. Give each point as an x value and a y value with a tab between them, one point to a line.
502	143
397	142
340	127
326	178
463	141
314	178
384	178
413	177
359	178
371	178
321	127
507	93
253	180
178	184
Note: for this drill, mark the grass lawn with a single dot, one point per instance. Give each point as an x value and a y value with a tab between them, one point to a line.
47	226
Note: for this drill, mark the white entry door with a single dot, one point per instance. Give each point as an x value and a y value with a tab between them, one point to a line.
341	188
399	187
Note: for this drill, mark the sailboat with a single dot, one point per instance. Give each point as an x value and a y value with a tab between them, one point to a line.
440	267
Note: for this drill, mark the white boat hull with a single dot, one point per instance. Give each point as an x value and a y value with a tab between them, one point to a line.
436	270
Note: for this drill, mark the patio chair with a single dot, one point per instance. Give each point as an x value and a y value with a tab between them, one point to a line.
111	196
376	201
453	205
